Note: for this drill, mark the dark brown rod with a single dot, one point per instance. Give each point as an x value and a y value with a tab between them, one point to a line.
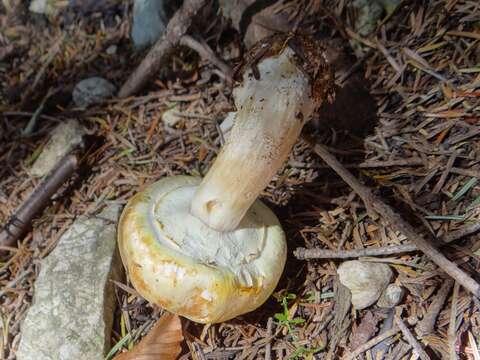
20	222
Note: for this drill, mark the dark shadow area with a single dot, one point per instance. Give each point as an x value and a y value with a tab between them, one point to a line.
354	109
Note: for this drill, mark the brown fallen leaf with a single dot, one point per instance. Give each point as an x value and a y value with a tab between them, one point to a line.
163	342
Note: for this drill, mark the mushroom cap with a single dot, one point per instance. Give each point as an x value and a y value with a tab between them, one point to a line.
176	261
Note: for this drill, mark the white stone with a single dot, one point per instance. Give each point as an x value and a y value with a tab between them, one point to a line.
112	49
73	303
391	297
45	7
64	138
365	280
170	117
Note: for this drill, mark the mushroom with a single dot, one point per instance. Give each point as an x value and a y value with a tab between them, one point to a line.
207	249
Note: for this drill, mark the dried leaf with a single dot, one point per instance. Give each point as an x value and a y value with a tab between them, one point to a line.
161	343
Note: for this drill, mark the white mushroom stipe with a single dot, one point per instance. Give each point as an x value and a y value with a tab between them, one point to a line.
207	249
177	261
271	112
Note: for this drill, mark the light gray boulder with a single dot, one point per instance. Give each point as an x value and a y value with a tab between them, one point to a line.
73	304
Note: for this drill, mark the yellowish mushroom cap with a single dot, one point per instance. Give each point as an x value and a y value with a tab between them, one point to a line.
176	261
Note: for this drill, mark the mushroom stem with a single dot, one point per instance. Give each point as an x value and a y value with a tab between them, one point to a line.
272	108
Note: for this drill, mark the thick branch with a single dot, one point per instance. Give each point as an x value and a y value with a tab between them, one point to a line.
38	200
163	48
373	202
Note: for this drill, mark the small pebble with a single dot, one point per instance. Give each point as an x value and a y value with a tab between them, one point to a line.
170	117
365	280
92	91
111	50
391	297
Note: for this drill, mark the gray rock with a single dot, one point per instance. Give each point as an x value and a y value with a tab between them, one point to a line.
73	303
91	91
365	280
64	138
391	297
149	22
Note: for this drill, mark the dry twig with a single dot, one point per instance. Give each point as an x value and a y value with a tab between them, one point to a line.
202	48
304	254
411	339
373	202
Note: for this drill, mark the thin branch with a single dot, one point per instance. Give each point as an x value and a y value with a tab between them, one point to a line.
466	172
413	161
304	254
376	204
38	200
411	339
163	48
268	345
318	253
205	52
461	232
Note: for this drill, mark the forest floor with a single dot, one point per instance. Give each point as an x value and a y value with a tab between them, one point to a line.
420	150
